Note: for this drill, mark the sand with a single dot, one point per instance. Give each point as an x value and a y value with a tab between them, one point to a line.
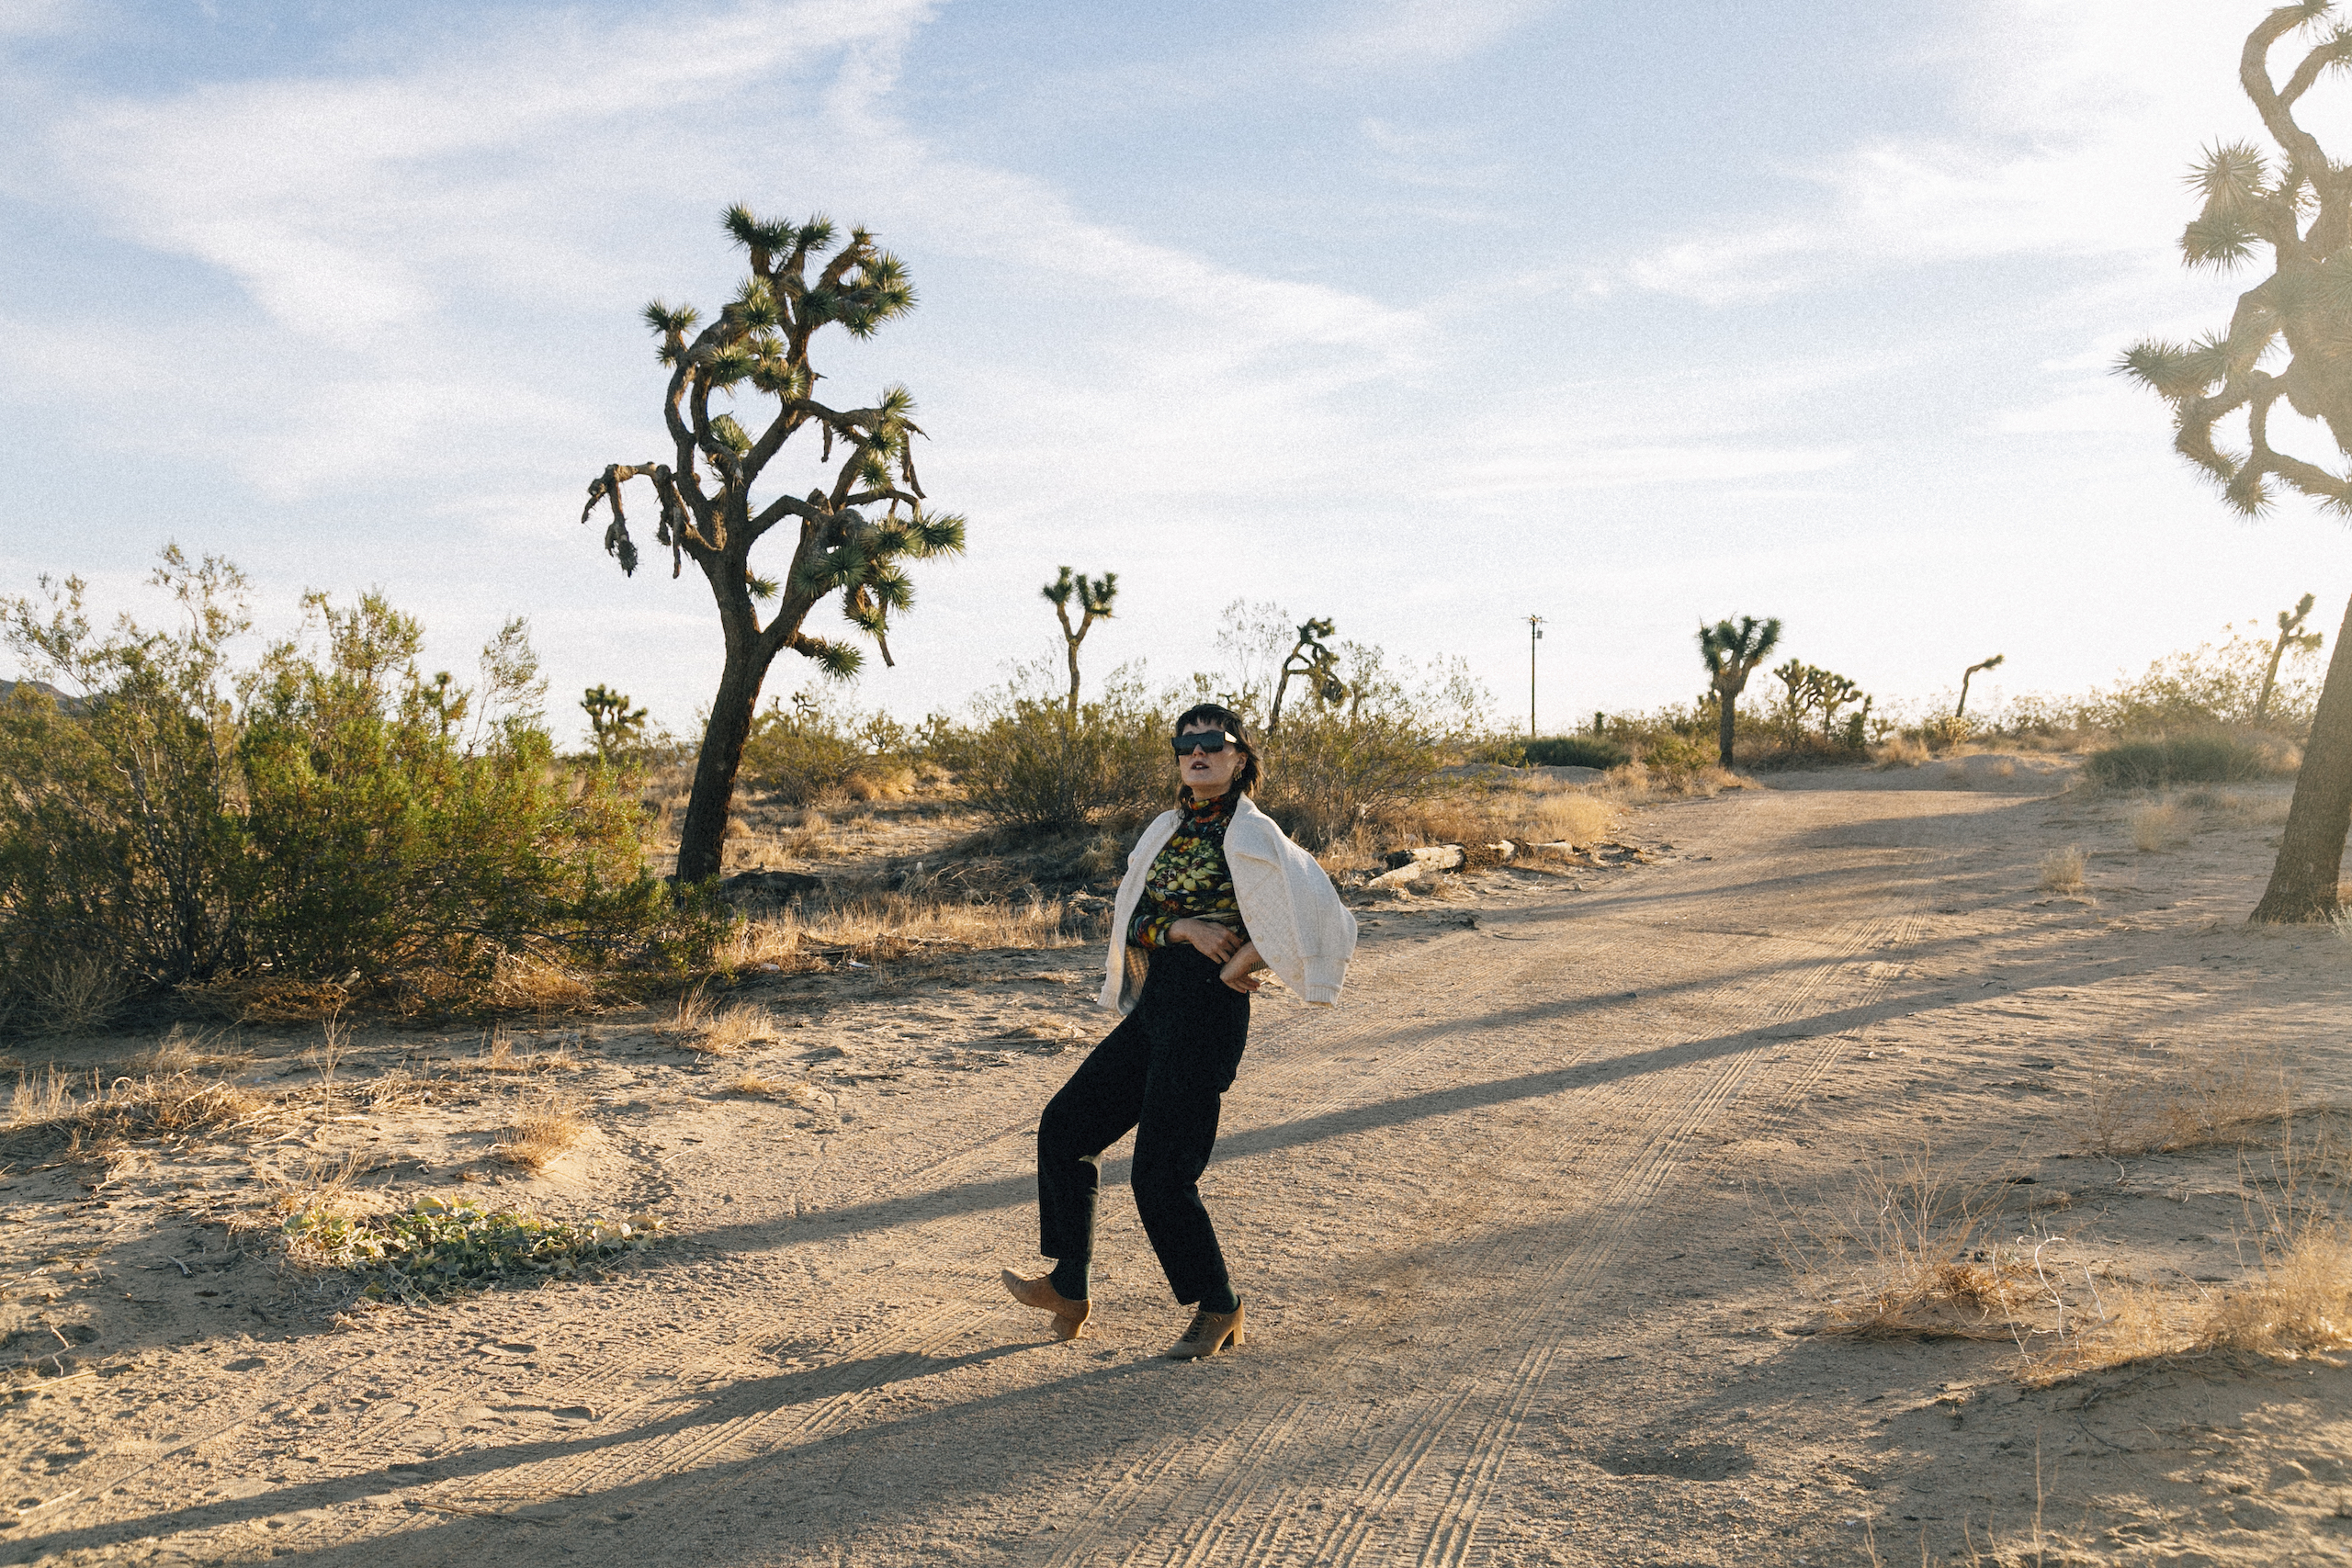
1528	1230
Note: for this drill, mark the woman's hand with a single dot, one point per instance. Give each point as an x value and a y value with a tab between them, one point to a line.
1241	971
1213	941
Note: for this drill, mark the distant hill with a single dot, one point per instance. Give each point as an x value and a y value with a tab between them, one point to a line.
69	704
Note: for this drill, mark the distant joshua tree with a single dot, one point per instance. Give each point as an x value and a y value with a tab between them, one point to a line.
1094	596
2297	203
2290	636
758	346
615	726
1732	653
1310	659
1959	708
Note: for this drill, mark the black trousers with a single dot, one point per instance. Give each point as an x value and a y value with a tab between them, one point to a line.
1163	1071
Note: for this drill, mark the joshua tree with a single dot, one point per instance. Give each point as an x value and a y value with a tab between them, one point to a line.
2297	203
1959	708
759	344
614	723
1093	598
2290	634
1732	653
1802	683
1311	660
1833	692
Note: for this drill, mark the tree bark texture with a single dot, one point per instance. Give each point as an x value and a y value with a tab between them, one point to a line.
2310	852
702	840
1725	718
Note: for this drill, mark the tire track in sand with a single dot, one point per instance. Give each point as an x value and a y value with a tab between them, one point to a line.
1394	1469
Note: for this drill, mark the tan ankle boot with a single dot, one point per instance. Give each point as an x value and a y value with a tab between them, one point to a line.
1209	1335
1069	1316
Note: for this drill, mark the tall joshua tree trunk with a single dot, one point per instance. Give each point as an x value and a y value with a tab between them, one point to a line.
2311	853
702	836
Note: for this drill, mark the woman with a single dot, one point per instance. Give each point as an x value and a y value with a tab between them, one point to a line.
1214	893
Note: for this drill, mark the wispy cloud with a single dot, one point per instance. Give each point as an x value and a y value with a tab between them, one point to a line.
2064	99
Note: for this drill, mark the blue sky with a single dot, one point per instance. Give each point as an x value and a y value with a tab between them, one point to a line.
1422	316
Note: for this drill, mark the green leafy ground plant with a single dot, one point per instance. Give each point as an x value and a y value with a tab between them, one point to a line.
441	1249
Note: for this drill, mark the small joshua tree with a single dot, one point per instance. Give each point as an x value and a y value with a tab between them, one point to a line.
758	347
1732	653
2296	204
2290	636
1311	660
615	726
1094	596
1959	708
1832	692
1802	687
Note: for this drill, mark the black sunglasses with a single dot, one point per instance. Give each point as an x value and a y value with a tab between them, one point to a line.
1209	740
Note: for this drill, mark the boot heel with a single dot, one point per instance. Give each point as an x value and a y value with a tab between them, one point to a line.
1235	1339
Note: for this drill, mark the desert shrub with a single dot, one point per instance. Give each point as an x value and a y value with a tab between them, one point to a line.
2152	764
117	836
347	817
1329	771
1027	765
1575	751
387	834
1672	753
812	752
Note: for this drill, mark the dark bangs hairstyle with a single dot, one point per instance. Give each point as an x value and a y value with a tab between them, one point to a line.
1225	718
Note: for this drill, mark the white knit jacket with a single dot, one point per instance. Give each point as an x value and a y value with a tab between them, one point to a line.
1303	931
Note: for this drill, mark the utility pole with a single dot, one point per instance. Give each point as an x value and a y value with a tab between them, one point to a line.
1534	636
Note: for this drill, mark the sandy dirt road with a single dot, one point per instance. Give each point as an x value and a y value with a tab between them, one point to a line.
1504	1221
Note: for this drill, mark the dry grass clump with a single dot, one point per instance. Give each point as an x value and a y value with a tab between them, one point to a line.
41	1097
2157	826
523	981
718	1030
2295	1303
1911	1256
2300	1305
2159	1106
1902	751
183	1050
1536	812
73	996
543	1128
497	1054
2254	810
880	781
160	1105
1636	781
878	928
2062	871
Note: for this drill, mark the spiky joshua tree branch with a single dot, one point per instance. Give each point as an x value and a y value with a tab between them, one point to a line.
2294	203
850	536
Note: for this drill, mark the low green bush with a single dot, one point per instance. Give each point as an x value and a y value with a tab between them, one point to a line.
1025	764
2199	759
807	753
1576	751
441	1249
1326	771
330	814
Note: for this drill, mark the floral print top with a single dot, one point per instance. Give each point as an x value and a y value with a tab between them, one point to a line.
1188	879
